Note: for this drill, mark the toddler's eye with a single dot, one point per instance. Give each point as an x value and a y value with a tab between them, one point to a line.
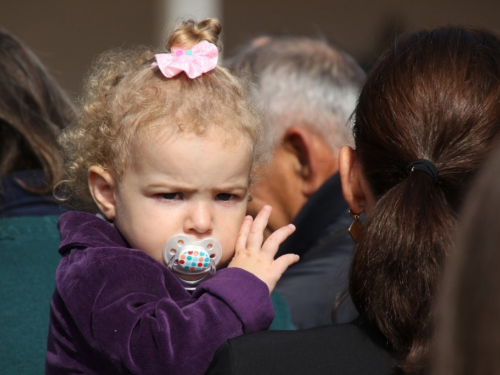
171	196
224	197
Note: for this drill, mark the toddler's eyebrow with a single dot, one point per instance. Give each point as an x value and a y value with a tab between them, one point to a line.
170	186
232	187
176	186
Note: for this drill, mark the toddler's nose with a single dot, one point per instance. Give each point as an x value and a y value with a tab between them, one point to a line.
199	219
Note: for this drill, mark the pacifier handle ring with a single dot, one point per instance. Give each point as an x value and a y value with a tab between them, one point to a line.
192	284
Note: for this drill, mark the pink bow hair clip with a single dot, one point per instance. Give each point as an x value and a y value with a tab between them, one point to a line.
199	59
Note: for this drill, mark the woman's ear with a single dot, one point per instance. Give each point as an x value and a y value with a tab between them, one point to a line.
352	180
102	187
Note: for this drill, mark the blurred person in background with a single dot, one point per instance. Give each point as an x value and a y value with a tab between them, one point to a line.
308	90
425	121
468	327
33	109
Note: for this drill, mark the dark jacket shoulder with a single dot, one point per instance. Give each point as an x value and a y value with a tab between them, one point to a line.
353	348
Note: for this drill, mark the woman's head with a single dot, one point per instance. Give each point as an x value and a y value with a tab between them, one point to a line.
33	109
127	100
432	95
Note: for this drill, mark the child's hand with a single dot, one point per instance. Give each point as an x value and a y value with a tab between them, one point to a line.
258	259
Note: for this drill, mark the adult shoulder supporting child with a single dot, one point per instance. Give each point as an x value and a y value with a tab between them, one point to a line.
164	150
425	121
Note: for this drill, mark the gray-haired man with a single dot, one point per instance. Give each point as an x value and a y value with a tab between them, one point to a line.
308	90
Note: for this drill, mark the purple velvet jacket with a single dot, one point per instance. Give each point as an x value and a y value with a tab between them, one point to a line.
116	310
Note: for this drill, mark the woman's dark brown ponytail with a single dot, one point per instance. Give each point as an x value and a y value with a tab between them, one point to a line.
434	95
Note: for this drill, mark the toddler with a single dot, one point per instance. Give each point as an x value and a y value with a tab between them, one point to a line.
164	149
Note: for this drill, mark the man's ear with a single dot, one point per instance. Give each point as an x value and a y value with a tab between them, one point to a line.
353	186
317	161
102	187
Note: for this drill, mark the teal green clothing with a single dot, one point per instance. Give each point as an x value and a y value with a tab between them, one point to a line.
282	317
29	258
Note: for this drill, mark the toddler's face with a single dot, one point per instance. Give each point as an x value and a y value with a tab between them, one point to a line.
185	183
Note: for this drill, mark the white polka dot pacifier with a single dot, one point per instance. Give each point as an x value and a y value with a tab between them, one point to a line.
186	256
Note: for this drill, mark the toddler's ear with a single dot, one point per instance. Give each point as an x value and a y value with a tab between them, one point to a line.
102	187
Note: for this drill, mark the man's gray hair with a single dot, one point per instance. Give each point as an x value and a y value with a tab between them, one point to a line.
303	82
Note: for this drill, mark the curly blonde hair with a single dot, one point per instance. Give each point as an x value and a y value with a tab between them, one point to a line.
124	95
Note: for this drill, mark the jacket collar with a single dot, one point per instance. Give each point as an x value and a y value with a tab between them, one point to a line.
81	229
17	201
321	210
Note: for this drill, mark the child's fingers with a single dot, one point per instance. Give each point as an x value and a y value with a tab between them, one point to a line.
241	241
273	242
283	262
256	235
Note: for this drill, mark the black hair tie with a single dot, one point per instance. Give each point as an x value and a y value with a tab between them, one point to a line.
424	165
